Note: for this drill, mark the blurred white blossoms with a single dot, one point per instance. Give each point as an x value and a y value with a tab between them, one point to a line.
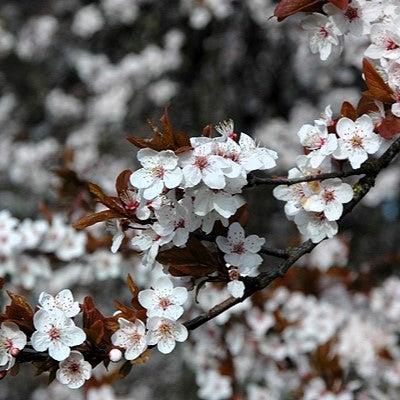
164	332
74	371
160	169
130	336
12	341
356	140
164	300
63	301
214	386
55	333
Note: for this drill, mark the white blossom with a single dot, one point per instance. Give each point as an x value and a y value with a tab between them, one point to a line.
164	333
74	370
63	301
356	140
163	300
160	169
241	251
315	226
55	333
12	341
130	336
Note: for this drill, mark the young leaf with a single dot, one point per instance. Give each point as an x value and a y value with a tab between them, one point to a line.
91	219
193	260
348	111
122	182
390	127
377	88
290	7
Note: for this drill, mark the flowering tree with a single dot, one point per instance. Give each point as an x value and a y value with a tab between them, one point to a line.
183	209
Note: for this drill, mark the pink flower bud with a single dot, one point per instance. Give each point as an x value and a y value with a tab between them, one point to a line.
115	355
14	351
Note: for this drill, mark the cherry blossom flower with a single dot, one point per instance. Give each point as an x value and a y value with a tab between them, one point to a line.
177	220
315	226
323	34
164	333
12	341
209	220
105	265
74	370
317	140
356	140
330	199
202	164
385	42
130	336
214	386
352	20
10	239
235	286
72	245
163	300
63	301
55	333
160	169
239	250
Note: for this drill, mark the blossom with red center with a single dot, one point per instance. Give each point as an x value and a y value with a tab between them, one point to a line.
74	371
241	251
163	300
130	336
160	170
55	333
329	201
12	341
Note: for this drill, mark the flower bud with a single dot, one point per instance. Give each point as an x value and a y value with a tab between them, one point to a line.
115	355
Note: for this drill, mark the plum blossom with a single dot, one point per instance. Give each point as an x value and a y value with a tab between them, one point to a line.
235	286
385	40
356	140
160	169
323	34
74	370
330	199
63	301
12	341
163	300
202	164
164	332
317	140
315	226
55	333
352	20
130	336
241	251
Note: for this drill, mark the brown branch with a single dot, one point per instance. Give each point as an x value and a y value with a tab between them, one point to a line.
364	170
265	278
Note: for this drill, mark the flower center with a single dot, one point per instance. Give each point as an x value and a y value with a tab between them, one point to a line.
159	171
54	334
234	274
238	248
329	196
351	13
391	45
132	205
165	330
201	162
320	142
74	368
135	337
232	135
180	224
356	141
323	32
165	303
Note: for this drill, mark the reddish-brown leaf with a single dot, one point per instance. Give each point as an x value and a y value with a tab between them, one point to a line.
165	139
19	311
348	111
193	260
207	130
366	105
290	7
91	219
111	202
122	182
342	4
95	333
90	313
390	127
377	88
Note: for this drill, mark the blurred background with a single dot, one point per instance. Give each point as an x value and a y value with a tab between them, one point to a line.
77	77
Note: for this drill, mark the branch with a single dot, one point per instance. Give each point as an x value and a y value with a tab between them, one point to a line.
264	279
364	170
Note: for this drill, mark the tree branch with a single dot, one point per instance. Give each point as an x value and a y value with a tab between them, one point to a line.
261	281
